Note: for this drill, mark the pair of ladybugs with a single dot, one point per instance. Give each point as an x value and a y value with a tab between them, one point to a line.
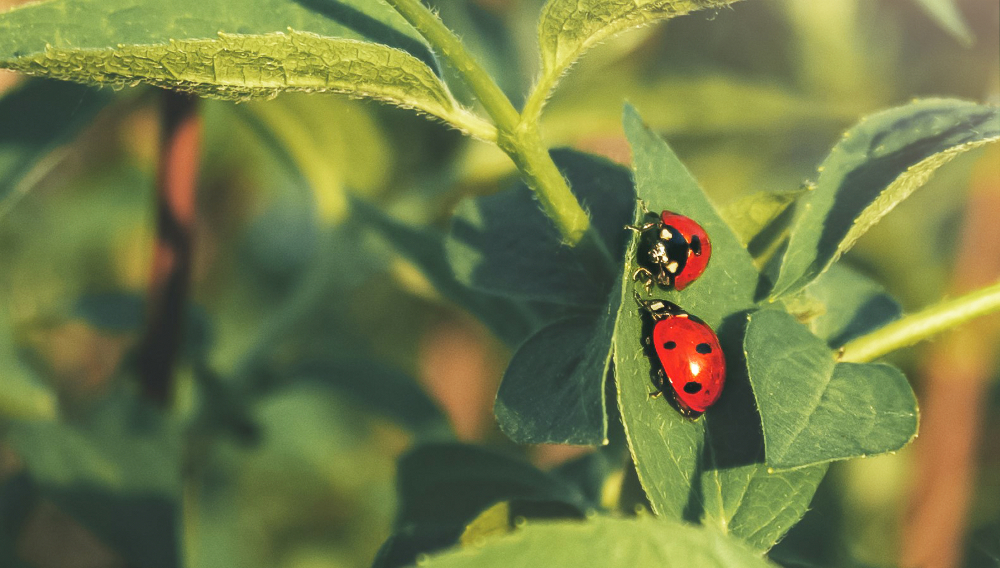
673	251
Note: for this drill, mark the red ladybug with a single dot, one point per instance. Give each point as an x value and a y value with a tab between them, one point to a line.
673	250
690	358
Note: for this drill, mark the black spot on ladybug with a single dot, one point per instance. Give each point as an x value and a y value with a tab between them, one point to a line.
703	348
696	245
669	345
692	387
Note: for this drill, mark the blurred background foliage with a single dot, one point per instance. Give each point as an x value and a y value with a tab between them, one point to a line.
317	354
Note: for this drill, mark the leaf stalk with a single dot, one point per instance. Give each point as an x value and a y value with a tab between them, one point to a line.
922	325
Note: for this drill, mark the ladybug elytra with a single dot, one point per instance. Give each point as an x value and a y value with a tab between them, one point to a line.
690	359
673	250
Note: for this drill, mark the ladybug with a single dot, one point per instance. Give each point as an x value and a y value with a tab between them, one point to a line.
690	358
673	250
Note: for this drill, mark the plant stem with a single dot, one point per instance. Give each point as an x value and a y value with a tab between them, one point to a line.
518	138
532	111
922	325
176	179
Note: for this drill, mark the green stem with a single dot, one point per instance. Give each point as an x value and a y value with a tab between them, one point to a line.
518	138
532	111
922	325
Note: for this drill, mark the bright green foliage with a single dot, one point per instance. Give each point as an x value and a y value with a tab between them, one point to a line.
709	470
814	409
241	67
569	27
879	163
69	25
606	542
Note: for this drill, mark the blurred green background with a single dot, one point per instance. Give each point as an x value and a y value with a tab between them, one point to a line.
341	351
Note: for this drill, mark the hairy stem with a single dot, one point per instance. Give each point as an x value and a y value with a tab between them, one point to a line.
518	138
922	325
175	197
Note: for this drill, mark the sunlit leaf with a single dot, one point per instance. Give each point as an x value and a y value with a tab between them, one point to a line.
606	542
569	27
879	163
948	16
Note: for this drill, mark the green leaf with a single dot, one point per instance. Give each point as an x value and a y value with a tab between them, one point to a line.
35	118
553	389
605	541
443	487
708	470
569	27
877	164
815	410
66	26
240	67
23	395
748	216
948	16
852	305
504	244
118	473
511	320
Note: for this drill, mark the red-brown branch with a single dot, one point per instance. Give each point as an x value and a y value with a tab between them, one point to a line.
177	174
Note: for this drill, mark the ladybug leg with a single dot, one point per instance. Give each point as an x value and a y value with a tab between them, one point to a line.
645	210
645	276
661	379
640	228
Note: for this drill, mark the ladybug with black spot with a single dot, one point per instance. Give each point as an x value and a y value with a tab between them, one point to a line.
673	250
686	356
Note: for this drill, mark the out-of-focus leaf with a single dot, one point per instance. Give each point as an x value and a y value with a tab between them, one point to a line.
708	470
511	320
35	118
17	495
443	487
748	216
553	389
505	244
22	395
387	391
879	163
568	28
815	410
852	303
948	16
119	474
607	542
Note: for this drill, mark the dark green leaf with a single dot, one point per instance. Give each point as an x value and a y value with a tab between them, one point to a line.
709	470
553	389
443	487
511	320
505	244
879	163
17	497
34	119
119	474
748	216
607	542
816	410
